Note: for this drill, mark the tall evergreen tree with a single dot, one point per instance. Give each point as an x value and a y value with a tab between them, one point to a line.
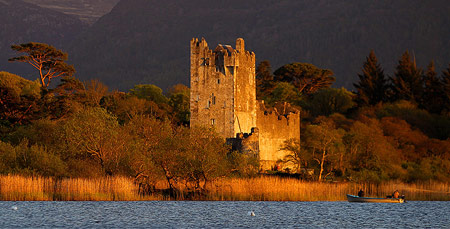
433	94
372	86
407	80
446	88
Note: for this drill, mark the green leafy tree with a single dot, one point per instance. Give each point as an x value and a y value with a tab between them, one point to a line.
307	78
331	100
19	99
49	61
149	163
324	142
295	155
373	85
283	92
149	92
205	159
179	101
29	159
370	154
95	134
407	80
65	99
243	164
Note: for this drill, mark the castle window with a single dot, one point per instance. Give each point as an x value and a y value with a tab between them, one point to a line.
213	99
205	62
218	81
213	122
208	104
231	70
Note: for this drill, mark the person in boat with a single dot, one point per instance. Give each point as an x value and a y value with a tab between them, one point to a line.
361	193
395	194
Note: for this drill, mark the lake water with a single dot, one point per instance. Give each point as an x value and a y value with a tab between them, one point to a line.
198	214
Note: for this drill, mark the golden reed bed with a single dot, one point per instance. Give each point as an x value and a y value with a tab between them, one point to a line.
19	188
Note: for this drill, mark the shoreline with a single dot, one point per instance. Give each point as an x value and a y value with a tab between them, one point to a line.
21	188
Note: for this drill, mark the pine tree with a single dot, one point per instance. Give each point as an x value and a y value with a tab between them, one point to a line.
433	91
372	86
446	88
407	80
49	61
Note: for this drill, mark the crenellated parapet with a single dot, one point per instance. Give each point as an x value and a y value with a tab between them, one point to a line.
223	95
280	111
276	125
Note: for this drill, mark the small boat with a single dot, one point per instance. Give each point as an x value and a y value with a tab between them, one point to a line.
352	198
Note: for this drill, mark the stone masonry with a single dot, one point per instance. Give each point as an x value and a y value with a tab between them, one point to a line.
223	95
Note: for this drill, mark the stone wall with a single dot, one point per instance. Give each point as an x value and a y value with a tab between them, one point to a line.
223	91
223	95
276	125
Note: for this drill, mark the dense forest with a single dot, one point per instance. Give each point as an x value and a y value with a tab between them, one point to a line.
394	127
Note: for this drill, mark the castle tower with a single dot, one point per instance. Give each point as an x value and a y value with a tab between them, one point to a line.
223	88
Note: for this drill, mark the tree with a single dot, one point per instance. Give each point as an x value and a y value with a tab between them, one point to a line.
370	155
205	158
407	80
324	141
372	86
49	61
179	101
295	155
446	88
19	99
283	92
433	96
307	78
331	100
264	79
148	163
65	99
95	91
149	92
94	133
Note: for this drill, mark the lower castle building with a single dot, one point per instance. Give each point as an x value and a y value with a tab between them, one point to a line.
223	95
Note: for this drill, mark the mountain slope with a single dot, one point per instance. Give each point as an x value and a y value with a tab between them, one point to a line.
147	41
23	22
86	10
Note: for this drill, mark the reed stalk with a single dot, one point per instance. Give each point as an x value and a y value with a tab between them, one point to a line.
263	188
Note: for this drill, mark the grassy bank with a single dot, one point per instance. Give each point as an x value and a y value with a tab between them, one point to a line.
289	189
13	187
19	188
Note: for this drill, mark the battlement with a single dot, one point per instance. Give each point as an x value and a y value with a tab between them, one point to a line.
280	110
223	95
230	55
223	89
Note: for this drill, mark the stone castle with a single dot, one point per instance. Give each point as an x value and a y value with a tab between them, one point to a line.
223	95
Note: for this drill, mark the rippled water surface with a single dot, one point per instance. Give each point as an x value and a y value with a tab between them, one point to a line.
181	214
